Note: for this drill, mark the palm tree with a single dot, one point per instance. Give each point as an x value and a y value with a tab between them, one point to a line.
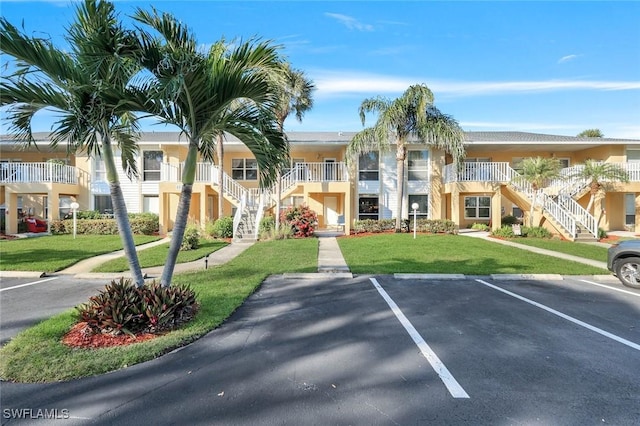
414	116
590	133
206	95
294	94
87	88
538	172
600	175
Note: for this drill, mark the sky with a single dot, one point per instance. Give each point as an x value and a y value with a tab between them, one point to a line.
540	66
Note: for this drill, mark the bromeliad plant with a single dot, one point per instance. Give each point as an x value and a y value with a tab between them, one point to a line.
122	308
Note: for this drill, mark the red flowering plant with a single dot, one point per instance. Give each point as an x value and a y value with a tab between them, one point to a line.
302	220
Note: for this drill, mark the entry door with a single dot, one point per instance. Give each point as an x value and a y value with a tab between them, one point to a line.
330	210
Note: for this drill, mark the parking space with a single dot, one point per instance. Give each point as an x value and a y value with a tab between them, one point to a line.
26	301
347	351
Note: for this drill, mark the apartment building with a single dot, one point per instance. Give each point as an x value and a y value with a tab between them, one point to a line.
43	183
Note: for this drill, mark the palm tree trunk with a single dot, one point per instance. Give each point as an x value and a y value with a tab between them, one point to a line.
182	215
220	153
401	154
120	212
590	204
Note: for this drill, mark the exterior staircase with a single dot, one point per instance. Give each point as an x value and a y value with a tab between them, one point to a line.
557	202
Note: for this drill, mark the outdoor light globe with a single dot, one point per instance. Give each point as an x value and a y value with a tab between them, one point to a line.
75	206
415	206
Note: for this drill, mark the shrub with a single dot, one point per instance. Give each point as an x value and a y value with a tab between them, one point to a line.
424	225
191	239
123	308
87	214
509	220
602	233
536	232
220	228
301	219
504	232
143	223
480	226
437	226
267	224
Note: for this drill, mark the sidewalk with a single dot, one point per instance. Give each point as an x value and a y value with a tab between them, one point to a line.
83	269
485	235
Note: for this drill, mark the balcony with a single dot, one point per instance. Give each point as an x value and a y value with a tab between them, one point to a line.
502	172
302	172
38	173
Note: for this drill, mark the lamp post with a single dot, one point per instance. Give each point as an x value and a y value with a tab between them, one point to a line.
74	207
415	206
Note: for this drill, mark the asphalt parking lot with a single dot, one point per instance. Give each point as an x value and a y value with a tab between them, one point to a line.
379	350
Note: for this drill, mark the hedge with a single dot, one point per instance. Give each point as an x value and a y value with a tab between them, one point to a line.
146	224
437	226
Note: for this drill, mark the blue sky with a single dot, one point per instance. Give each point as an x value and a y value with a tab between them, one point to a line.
546	67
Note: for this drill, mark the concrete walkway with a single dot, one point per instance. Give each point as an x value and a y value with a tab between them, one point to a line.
83	269
485	235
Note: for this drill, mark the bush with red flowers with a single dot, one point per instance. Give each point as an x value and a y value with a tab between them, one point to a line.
302	220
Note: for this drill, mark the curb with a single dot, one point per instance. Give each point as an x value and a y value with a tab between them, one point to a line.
312	275
429	276
505	277
22	274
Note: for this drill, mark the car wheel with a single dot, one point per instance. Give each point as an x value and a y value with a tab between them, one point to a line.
628	271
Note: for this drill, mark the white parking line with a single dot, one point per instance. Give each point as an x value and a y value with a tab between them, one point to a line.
449	381
28	284
611	288
565	316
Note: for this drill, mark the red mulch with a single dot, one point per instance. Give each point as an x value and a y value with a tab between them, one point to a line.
80	336
7	237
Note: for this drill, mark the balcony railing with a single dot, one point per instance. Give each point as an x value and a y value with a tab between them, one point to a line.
302	172
38	173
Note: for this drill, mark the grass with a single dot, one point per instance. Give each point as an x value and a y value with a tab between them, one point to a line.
451	254
53	253
156	256
588	251
37	354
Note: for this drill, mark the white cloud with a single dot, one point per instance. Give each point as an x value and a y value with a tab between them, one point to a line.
350	22
567	58
344	83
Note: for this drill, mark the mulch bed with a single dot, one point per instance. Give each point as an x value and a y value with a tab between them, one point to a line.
81	336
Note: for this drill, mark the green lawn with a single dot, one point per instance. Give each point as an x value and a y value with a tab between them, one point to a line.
156	256
588	251
37	355
53	253
451	254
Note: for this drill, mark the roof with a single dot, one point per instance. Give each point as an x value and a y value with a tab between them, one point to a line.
343	138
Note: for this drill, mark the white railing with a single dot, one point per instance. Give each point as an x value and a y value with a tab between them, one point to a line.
238	216
561	215
478	172
173	172
322	172
579	213
259	214
38	173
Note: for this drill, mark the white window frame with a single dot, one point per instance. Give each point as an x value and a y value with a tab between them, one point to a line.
477	207
246	172
154	171
374	216
422	169
368	171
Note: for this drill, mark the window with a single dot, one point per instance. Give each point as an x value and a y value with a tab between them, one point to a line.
99	170
418	165
423	203
564	162
368	166
152	160
629	209
102	203
368	207
477	207
244	169
151	204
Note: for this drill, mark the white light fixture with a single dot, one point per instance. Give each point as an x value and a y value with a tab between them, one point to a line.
74	206
415	206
